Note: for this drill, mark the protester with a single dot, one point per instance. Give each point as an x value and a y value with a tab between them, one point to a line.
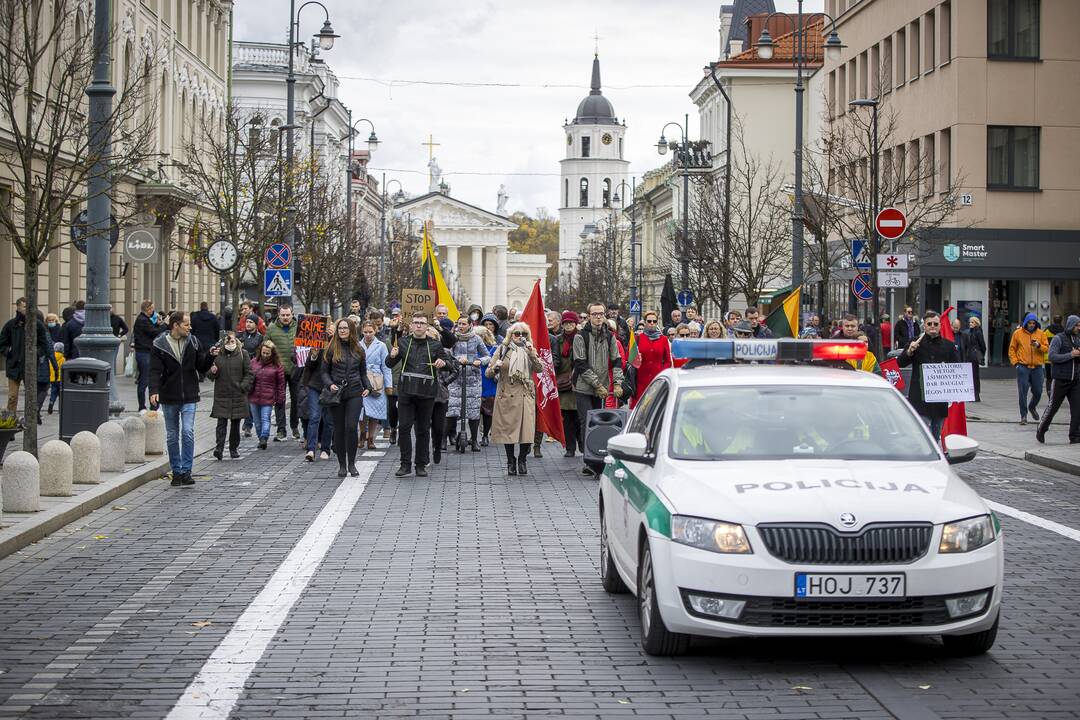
761	330
975	351
354	306
714	330
1027	353
488	386
47	364
930	347
382	330
12	346
676	319
596	354
1064	356
471	354
443	377
616	396
491	322
419	357
886	333
514	365
249	336
850	330
176	360
654	354
731	319
907	328
563	358
205	326
695	328
503	316
474	314
344	375
622	329
320	427
247	309
282	334
267	389
73	328
233	379
380	380
682	330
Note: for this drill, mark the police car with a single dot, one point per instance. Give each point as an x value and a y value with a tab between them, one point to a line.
789	498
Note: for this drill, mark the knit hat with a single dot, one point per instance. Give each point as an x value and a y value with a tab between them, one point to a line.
569	316
58	347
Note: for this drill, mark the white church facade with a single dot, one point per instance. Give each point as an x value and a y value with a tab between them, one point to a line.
593	172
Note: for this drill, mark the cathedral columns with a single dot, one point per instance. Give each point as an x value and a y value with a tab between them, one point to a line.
500	275
477	293
452	266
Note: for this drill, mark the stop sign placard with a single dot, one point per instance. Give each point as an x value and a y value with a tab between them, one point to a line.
890	223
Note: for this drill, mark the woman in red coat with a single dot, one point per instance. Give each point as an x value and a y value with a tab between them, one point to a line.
654	354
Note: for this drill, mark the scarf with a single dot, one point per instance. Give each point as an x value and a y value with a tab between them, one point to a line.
652	332
568	343
518	372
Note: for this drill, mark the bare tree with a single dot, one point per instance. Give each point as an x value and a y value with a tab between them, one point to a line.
46	64
403	259
603	265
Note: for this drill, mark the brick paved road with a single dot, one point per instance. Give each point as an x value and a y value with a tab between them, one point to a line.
471	594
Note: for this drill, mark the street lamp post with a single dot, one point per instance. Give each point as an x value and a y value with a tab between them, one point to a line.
875	200
633	230
683	150
373	143
765	47
725	263
97	340
326	37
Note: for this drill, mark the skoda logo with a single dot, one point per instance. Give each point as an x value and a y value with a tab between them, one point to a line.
847	519
951	252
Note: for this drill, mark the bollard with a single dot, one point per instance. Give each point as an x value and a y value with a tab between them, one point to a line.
86	450
111	436
20	489
54	469
155	432
134	439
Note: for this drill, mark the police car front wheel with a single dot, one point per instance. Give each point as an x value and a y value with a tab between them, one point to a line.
973	643
609	575
656	639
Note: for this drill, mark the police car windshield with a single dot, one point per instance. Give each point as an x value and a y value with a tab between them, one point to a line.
780	422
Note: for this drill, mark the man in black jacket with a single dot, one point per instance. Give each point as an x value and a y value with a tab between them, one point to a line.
930	347
420	356
142	342
906	328
1064	356
205	326
73	328
12	340
176	360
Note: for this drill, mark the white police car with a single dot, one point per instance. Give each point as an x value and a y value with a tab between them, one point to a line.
787	499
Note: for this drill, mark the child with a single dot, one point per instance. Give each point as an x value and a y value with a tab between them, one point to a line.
54	375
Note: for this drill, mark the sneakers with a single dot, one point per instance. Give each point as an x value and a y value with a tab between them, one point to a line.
421	471
281	435
187	480
1023	421
177	479
309	456
247	433
262	443
587	471
324	455
234	454
1034	413
296	433
403	471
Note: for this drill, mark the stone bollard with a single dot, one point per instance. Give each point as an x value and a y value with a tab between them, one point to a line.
134	439
111	436
21	486
86	449
155	432
54	469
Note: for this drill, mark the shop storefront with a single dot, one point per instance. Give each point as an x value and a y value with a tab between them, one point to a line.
999	276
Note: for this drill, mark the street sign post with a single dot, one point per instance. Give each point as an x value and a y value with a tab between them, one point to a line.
862	287
892	262
278	256
890	224
635	307
860	255
892	279
277	282
685	298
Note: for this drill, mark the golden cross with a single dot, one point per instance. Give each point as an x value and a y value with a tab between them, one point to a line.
431	144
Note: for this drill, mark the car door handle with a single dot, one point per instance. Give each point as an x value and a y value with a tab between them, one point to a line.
620	474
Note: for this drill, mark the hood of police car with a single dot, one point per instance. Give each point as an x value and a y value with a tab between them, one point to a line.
845	494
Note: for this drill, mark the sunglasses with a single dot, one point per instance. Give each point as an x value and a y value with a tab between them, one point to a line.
684	335
651	322
521	334
931	323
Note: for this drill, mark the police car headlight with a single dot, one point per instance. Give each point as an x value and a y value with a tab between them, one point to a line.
714	535
967	535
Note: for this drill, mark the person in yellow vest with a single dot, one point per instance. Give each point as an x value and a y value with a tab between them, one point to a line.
54	375
851	331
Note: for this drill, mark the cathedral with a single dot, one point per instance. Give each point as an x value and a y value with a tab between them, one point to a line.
593	172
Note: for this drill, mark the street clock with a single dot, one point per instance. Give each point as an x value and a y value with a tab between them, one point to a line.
222	256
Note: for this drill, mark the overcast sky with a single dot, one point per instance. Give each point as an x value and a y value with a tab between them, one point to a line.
508	135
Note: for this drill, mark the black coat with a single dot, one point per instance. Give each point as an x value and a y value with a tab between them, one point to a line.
144	334
205	326
73	328
900	332
251	341
119	327
12	338
176	380
349	372
311	377
930	350
974	346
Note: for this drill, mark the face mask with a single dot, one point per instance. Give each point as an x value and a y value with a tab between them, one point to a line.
53	324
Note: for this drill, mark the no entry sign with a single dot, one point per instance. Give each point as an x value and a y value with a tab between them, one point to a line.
890	223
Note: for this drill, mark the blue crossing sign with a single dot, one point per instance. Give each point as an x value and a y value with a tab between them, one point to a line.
862	287
860	255
635	307
685	298
277	282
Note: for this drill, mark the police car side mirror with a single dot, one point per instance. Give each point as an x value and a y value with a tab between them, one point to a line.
960	449
632	447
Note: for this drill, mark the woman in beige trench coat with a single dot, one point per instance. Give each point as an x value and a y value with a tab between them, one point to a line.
514	421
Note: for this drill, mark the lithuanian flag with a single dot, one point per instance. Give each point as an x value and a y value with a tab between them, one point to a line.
784	320
631	349
431	277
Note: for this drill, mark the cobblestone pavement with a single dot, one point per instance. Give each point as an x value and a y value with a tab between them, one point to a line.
470	594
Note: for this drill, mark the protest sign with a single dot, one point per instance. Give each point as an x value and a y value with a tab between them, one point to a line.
311	331
948	382
415	300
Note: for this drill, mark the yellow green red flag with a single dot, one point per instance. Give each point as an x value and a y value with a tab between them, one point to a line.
431	276
784	320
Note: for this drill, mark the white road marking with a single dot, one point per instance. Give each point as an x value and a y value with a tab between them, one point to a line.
214	691
1063	530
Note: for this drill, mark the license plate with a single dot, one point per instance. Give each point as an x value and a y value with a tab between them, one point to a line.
850	585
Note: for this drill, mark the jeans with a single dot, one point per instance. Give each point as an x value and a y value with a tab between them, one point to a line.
1029	378
935	425
315	420
142	361
180	435
415	412
293	387
260	417
54	392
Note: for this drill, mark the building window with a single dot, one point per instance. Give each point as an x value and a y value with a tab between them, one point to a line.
620	148
583	201
566	193
886	64
930	42
1012	157
917	178
875	71
863	59
930	161
915	55
1012	28
607	192
945	153
901	56
585	149
945	31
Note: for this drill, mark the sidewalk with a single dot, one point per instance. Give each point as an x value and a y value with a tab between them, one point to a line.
17	530
995	423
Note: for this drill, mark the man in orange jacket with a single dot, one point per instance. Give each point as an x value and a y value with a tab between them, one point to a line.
1027	353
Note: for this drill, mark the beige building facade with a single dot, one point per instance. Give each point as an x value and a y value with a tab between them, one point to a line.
187	41
985	92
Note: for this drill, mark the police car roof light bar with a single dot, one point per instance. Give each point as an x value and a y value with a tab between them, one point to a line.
703	349
807	350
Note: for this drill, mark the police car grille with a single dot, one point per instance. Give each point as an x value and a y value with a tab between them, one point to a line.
822	545
784	612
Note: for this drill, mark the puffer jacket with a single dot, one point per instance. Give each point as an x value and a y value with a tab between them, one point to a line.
269	385
283	339
348	371
1064	366
469	377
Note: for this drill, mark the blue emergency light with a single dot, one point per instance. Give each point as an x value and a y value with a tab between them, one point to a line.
715	350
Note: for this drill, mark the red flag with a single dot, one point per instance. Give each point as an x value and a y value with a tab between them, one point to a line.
946	325
956	421
548	412
890	370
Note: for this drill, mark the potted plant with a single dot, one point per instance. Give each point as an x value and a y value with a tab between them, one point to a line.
10	425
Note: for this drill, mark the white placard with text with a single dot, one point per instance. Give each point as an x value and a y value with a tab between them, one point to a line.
948	382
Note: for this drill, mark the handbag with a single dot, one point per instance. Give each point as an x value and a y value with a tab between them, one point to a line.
331	398
417	384
375	380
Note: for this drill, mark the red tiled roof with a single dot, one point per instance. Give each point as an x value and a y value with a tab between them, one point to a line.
783	45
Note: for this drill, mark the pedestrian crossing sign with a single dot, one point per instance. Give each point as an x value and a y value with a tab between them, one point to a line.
277	283
860	255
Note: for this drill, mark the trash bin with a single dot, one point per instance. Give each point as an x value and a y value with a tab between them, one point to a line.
84	396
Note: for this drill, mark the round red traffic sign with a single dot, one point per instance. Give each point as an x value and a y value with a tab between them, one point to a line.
890	223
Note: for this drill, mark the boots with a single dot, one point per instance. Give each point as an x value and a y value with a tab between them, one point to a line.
523	455
511	461
373	428
474	428
393	436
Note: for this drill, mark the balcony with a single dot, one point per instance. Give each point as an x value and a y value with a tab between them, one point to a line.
269	55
